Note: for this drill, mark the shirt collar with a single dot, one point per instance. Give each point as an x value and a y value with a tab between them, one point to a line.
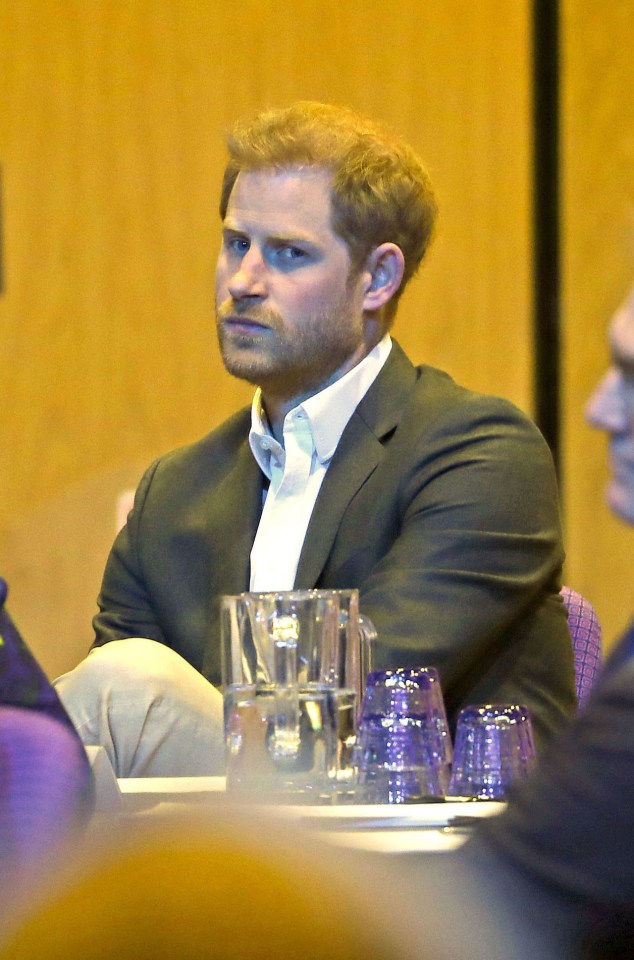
327	412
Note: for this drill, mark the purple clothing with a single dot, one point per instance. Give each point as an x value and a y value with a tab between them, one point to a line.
46	781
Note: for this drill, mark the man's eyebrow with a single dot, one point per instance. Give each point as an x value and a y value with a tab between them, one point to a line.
292	239
285	238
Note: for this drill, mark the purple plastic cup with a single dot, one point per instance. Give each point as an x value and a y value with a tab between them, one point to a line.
404	749
494	746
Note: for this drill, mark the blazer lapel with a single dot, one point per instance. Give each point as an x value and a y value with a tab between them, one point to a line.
359	452
234	513
235	517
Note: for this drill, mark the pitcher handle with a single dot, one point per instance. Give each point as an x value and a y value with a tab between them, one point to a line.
367	637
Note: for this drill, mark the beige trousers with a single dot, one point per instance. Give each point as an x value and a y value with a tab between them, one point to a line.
154	714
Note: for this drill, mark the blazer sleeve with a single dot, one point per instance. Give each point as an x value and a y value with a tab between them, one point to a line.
125	605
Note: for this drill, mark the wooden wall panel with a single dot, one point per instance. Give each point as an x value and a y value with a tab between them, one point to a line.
598	261
111	124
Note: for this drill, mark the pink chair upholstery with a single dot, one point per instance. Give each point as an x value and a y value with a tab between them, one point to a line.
585	633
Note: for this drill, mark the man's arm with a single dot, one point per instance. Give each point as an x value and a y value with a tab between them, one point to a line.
186	543
125	607
479	541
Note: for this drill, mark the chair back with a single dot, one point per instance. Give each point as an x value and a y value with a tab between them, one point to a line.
585	633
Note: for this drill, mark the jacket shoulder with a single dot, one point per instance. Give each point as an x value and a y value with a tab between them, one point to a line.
432	398
227	436
206	460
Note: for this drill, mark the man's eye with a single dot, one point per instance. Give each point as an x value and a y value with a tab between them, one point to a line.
238	245
292	254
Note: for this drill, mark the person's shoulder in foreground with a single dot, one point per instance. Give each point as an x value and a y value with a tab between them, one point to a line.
567	832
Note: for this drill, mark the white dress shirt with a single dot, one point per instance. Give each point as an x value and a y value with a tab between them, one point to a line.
296	468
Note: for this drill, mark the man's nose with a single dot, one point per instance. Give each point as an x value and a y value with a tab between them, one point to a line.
249	278
605	408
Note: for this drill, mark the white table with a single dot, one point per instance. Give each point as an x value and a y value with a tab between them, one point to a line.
407	828
398	828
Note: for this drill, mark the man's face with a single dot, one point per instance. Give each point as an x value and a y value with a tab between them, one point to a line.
289	315
611	408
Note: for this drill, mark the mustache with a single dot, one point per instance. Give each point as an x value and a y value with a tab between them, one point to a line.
249	312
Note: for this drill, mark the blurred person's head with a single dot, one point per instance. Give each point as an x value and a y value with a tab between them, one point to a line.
611	408
229	885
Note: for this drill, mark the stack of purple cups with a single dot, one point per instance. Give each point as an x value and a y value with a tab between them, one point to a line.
404	749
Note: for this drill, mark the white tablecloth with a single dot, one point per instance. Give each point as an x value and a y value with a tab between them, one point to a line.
386	828
399	828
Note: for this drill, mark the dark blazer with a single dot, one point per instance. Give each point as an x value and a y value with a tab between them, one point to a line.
440	506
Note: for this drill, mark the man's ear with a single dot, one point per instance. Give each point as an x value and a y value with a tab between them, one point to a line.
384	273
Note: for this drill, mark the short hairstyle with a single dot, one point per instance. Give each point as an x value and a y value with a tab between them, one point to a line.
380	190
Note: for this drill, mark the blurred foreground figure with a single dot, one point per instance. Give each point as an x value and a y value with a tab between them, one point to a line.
46	784
611	408
559	862
229	886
